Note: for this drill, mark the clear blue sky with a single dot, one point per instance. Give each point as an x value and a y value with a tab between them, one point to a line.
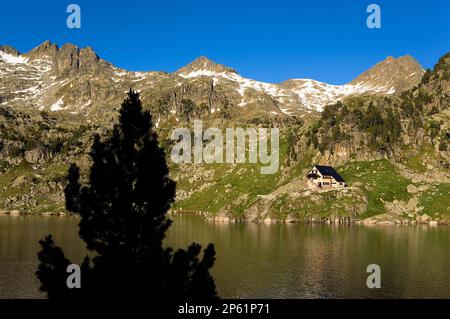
266	40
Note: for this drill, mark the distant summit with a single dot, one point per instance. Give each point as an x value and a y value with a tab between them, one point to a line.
205	65
394	75
390	76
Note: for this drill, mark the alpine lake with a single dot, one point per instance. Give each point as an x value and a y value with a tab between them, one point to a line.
263	260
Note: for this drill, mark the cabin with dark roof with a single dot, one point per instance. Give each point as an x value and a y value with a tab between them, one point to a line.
321	176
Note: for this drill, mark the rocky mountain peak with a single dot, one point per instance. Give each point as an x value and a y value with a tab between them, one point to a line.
9	50
47	48
203	64
395	75
66	59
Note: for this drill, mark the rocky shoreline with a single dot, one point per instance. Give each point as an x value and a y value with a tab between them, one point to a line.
376	220
15	212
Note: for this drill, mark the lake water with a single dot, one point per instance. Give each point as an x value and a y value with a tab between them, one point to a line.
264	261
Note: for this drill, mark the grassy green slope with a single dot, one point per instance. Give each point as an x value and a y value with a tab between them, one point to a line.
230	184
380	181
436	201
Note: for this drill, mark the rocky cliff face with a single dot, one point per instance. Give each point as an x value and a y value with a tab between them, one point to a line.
36	149
67	60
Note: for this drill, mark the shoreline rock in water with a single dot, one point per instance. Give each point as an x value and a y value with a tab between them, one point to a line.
15	212
219	218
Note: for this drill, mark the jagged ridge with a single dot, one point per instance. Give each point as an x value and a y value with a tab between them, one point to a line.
77	80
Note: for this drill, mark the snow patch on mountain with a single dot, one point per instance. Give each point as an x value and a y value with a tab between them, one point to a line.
57	106
11	59
315	95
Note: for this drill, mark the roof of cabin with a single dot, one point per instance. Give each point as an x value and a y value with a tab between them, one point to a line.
329	171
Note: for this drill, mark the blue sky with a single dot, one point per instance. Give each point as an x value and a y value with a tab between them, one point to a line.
265	40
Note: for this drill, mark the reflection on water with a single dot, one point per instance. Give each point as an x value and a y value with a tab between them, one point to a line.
19	236
257	260
321	261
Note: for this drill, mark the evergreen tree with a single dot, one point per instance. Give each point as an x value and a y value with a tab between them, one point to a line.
123	210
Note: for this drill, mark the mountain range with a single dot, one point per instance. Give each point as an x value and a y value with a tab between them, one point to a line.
76	80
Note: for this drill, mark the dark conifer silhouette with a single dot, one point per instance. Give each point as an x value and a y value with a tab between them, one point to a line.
123	210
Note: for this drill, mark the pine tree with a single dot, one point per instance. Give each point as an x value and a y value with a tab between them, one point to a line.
123	221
